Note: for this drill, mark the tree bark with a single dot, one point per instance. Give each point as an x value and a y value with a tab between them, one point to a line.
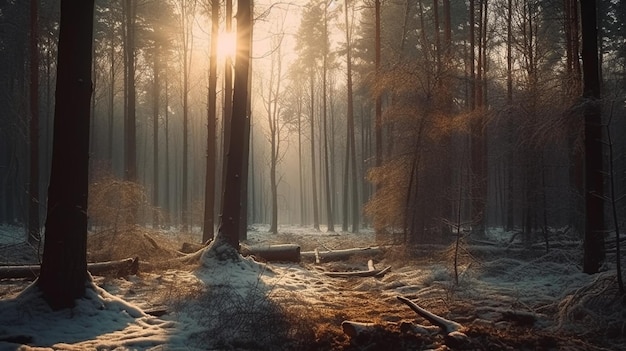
130	134
64	266
350	161
33	183
155	136
208	230
593	244
230	225
274	253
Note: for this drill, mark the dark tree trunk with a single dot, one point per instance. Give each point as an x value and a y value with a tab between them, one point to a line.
33	184
230	226
594	188
247	146
208	227
64	267
130	135
228	100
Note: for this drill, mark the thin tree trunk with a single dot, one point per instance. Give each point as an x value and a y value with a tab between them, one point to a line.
316	218
33	184
329	208
187	44
300	165
130	134
228	100
111	101
155	139
351	142
209	184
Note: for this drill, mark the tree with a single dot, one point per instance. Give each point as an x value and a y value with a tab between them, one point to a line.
130	134
272	108
232	206
209	191
33	184
593	244
325	53
350	161
187	13
309	44
64	266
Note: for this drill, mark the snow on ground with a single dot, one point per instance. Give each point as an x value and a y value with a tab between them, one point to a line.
247	305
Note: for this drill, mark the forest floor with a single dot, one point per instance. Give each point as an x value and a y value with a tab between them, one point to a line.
508	297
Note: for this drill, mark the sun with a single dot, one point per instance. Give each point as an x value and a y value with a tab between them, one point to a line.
226	45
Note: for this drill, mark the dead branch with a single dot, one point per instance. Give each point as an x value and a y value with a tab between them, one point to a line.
452	331
340	255
371	272
447	326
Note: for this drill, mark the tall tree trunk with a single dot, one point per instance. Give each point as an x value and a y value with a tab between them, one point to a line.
378	130
350	160
247	145
228	98
208	228
130	134
230	226
300	164
33	184
273	123
329	208
63	273
186	42
155	138
166	200
316	217
593	244
111	100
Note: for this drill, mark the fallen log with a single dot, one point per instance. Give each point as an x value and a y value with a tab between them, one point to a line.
340	255
453	332
273	253
371	272
123	267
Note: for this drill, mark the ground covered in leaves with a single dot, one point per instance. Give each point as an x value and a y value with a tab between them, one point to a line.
507	297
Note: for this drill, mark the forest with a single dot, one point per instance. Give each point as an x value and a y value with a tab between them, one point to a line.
312	174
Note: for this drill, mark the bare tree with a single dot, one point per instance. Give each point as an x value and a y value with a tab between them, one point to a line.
272	108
